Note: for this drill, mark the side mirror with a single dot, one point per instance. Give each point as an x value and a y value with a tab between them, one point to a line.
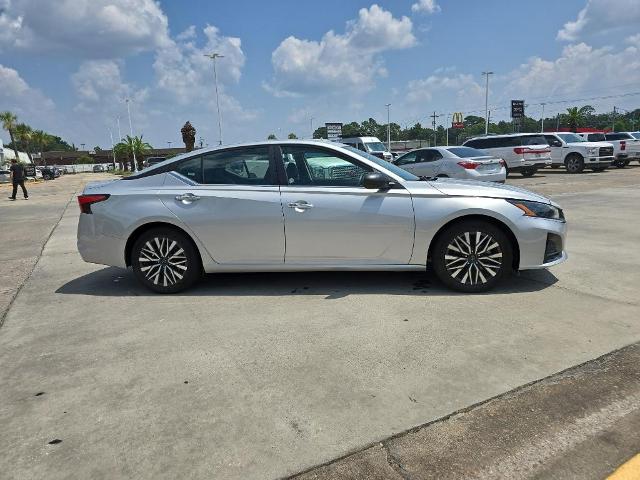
376	181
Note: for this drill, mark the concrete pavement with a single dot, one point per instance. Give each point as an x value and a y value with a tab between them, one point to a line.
266	375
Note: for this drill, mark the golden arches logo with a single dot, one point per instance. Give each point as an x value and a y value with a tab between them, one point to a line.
457	120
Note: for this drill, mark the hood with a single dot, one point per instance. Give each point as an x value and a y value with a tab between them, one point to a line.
472	188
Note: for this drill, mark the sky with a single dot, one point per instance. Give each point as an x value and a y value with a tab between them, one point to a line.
67	66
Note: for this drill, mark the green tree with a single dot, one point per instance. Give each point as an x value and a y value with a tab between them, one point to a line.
123	153
321	132
139	147
292	136
24	134
39	139
9	121
272	136
85	159
576	116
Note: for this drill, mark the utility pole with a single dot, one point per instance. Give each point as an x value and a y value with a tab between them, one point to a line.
447	124
486	102
558	122
388	127
133	150
113	150
542	120
435	133
613	121
213	56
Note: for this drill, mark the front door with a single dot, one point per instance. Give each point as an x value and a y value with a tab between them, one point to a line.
231	201
330	219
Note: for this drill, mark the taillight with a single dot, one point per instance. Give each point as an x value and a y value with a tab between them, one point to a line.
623	145
85	201
469	165
519	150
503	162
523	150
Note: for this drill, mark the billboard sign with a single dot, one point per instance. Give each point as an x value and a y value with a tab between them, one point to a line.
517	109
334	131
457	121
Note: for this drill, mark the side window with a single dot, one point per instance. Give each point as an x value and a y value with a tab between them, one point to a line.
407	159
428	156
310	166
473	144
361	147
242	166
190	168
553	141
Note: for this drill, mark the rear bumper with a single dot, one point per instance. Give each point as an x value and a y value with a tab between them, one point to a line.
95	247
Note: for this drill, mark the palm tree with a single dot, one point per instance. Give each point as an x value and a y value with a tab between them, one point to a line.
122	152
40	139
139	147
25	134
575	116
9	120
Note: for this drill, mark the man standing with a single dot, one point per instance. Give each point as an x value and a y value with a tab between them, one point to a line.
17	178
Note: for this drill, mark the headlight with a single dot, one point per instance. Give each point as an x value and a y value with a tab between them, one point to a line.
593	151
537	209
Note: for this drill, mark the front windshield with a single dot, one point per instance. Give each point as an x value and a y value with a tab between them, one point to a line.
383	163
570	137
467	152
376	147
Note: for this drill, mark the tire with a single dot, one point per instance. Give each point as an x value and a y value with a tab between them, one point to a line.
528	171
458	265
626	163
574	163
162	266
619	164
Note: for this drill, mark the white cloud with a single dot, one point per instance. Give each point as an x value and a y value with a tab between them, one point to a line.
28	103
599	16
340	61
86	28
580	68
425	6
463	86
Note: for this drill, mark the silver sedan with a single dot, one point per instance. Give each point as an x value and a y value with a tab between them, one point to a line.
454	162
311	205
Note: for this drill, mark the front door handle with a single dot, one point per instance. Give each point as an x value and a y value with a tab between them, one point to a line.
300	205
187	197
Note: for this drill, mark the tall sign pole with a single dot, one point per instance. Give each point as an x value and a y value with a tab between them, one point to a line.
213	56
486	102
133	150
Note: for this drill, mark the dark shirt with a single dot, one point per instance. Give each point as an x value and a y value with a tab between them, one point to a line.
18	172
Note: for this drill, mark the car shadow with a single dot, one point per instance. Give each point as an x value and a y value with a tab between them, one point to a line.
116	282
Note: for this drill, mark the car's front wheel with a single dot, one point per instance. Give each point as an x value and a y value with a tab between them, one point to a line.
165	260
472	256
574	163
528	171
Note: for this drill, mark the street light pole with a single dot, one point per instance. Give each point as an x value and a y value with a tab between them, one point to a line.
448	114
542	120
486	103
389	127
119	132
113	149
214	56
133	150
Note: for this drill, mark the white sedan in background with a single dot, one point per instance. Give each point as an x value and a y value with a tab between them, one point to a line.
455	162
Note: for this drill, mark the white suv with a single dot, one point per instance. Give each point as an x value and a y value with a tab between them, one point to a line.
522	152
576	153
625	146
370	145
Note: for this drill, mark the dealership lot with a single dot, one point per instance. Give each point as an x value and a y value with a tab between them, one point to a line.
265	375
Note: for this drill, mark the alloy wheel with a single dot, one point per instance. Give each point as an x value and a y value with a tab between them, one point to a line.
163	261
473	258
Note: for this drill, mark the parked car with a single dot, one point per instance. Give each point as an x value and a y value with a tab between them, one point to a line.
5	176
370	145
98	168
575	153
455	162
233	209
636	135
56	171
523	152
152	161
625	146
48	173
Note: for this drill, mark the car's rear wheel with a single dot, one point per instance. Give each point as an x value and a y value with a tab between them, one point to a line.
528	171
165	260
574	163
619	164
472	256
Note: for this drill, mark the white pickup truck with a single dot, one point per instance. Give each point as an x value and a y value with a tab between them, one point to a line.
575	153
625	146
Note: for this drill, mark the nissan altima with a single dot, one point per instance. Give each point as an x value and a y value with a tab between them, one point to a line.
312	205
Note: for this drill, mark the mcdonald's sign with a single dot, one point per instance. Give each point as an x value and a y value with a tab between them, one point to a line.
457	121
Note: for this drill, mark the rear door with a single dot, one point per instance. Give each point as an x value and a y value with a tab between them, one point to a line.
332	220
230	200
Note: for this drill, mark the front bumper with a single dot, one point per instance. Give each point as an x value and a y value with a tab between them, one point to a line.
534	238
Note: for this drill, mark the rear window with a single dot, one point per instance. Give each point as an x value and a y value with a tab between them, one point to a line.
596	137
532	140
618	136
466	152
571	137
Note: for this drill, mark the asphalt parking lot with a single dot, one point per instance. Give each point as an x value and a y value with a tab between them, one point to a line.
267	375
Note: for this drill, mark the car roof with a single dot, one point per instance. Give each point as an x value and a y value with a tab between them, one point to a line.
507	135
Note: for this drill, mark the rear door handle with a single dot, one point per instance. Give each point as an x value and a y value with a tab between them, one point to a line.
187	197
300	205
